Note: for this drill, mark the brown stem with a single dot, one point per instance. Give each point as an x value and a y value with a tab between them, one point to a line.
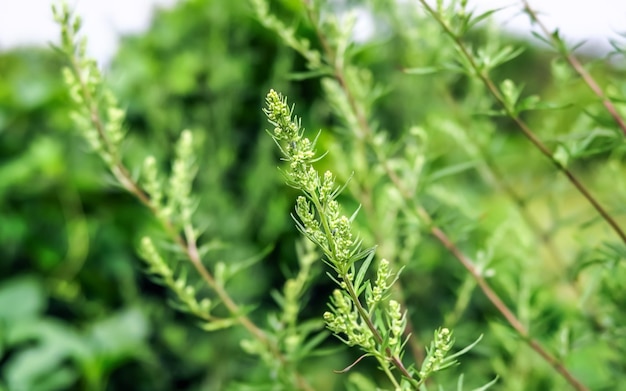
501	307
493	173
465	261
188	243
578	67
442	237
493	297
524	128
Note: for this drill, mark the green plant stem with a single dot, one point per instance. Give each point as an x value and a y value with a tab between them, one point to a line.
524	128
349	287
188	244
577	66
365	192
396	361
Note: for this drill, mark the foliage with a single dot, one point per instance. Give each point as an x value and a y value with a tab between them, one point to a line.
481	176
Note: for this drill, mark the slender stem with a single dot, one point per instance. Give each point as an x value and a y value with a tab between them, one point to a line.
188	243
578	67
492	173
465	261
364	134
493	297
501	307
524	128
397	362
390	375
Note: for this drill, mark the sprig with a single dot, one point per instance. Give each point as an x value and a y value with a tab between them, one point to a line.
360	314
479	65
99	119
555	40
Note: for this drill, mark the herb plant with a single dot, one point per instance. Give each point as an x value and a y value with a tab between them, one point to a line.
436	202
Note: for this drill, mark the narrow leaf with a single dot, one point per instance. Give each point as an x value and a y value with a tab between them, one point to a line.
363	270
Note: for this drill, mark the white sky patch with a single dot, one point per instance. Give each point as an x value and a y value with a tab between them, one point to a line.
29	22
595	22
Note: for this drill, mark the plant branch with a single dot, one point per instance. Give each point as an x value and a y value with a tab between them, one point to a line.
189	247
465	261
492	173
187	243
577	66
502	307
524	128
397	362
493	297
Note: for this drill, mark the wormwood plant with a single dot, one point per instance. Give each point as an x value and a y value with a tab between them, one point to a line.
457	225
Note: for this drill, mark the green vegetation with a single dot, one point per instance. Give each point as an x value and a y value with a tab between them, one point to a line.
451	218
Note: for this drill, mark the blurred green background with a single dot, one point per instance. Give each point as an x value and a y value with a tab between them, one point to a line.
76	310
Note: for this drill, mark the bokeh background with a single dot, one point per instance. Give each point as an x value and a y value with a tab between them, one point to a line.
77	310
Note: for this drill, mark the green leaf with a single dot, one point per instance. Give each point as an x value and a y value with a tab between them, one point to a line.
452	170
465	349
362	270
422	70
299	76
120	336
39	369
215	325
561	155
311	343
506	54
473	21
40	366
510	93
21	297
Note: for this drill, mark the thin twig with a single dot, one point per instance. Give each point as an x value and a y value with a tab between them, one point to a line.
188	243
524	128
493	173
577	66
493	297
465	261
